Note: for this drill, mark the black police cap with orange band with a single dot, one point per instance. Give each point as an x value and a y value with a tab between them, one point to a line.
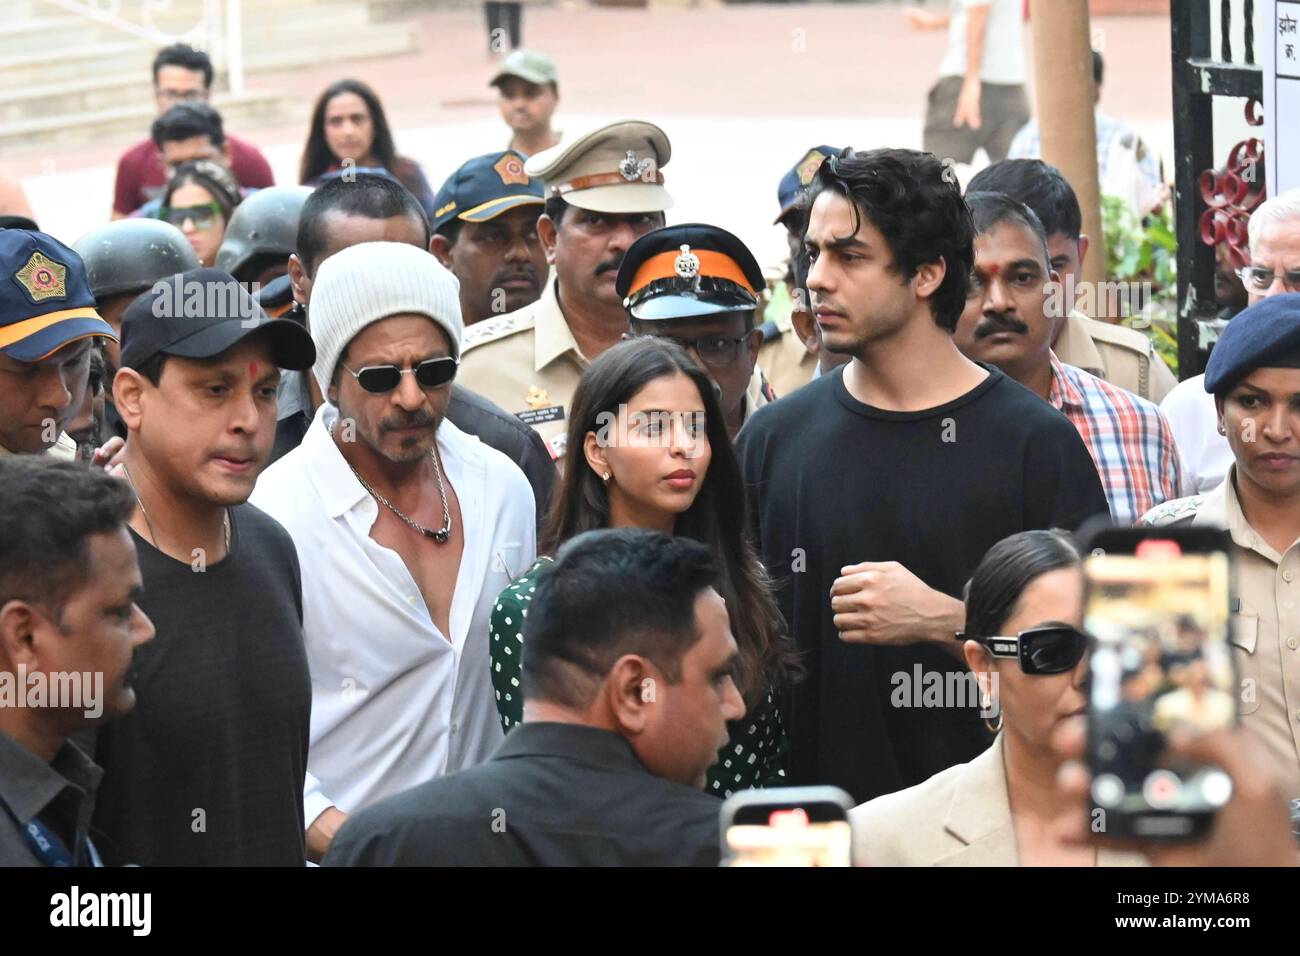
689	270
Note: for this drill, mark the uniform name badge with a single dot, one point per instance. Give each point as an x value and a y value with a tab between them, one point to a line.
540	409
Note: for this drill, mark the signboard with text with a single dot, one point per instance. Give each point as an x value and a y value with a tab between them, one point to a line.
1282	95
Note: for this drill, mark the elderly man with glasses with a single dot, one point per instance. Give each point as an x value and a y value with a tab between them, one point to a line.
1274	234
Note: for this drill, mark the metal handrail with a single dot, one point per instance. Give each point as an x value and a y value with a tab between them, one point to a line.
207	34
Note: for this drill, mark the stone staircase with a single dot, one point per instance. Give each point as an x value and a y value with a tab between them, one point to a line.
66	80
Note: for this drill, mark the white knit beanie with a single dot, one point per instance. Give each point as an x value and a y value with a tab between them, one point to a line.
371	281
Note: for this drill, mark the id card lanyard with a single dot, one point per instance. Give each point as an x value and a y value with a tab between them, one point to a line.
47	847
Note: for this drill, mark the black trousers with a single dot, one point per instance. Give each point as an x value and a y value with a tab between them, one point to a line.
504	16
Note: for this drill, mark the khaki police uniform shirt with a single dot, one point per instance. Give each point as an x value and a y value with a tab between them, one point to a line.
1266	623
1120	355
528	362
785	362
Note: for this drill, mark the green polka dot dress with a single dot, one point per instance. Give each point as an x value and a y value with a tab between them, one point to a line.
753	757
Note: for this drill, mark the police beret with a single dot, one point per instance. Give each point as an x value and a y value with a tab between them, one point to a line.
688	270
1262	336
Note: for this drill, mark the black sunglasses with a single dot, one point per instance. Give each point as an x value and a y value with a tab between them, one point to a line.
1049	649
431	373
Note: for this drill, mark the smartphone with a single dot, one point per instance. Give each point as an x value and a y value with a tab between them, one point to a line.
1158	608
787	826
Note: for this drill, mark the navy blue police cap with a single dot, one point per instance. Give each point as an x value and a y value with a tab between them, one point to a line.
689	270
796	180
46	301
484	188
1265	335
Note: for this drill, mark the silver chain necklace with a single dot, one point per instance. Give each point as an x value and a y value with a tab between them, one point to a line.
153	535
442	535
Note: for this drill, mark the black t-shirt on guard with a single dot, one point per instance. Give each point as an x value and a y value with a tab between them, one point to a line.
208	768
834	482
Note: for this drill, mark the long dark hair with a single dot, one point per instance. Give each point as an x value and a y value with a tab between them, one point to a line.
1006	570
715	518
317	158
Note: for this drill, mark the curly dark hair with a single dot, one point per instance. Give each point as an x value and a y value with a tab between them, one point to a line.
915	201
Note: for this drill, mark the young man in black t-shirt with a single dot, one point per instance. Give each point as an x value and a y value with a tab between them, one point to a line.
209	767
877	488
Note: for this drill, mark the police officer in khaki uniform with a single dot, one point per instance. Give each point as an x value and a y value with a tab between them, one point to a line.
1254	375
604	190
784	358
699	285
1120	355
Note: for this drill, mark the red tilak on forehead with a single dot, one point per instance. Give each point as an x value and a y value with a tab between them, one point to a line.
993	270
252	370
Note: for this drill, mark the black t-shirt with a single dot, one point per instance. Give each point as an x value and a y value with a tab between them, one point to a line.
834	482
208	768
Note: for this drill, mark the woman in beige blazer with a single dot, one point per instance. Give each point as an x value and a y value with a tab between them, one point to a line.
1024	611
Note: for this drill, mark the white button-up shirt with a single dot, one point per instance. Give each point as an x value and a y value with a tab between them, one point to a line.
394	700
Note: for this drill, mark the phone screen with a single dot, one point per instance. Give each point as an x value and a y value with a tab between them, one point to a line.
1161	658
789	838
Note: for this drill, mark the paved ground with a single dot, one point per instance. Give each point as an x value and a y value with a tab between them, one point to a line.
742	91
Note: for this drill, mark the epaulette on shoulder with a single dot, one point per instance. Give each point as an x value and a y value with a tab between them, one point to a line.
1121	336
496	328
1173	511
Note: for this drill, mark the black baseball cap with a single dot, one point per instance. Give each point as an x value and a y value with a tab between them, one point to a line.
202	313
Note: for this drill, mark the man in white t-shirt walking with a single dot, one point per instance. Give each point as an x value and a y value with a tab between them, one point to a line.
980	97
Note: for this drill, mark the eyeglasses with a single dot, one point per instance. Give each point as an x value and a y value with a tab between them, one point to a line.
1259	279
204	216
431	373
1050	649
716	351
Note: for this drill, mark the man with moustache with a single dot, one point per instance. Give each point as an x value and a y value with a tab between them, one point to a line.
407	529
375	208
1005	324
1254	377
485	233
879	486
1120	355
69	581
603	191
208	770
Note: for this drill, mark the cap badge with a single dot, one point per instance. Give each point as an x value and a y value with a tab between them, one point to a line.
537	397
632	168
511	170
687	263
43	278
807	169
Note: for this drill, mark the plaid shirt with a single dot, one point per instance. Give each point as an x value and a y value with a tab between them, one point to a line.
1127	436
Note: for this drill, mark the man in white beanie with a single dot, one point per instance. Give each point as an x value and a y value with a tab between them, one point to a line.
406	529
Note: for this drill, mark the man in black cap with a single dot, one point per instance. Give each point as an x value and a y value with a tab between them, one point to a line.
209	768
699	285
1254	376
485	233
124	258
48	325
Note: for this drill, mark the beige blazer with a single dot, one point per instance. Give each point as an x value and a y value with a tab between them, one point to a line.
959	817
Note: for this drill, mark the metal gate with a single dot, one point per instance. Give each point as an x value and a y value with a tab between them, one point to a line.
1210	208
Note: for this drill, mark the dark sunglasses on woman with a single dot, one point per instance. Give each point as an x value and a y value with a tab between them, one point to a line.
431	373
204	215
1046	649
